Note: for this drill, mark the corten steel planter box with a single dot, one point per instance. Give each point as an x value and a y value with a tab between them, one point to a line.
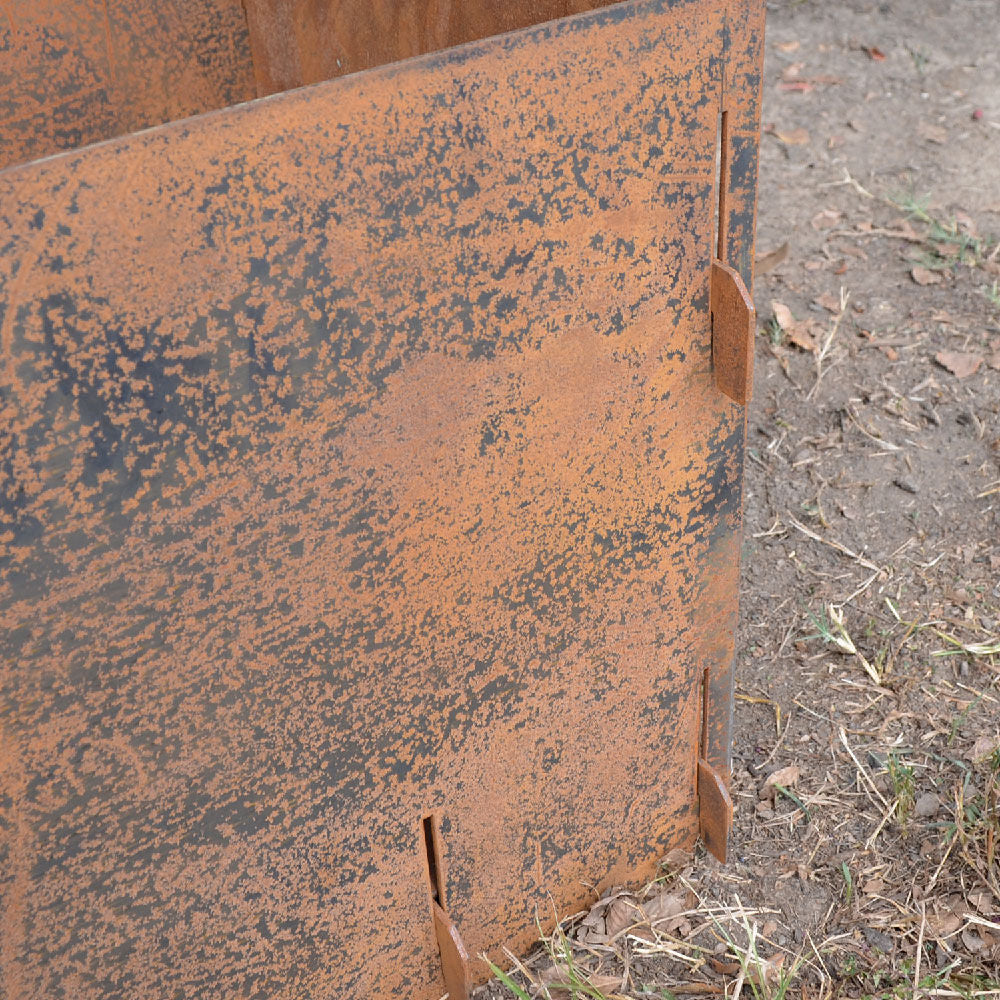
370	477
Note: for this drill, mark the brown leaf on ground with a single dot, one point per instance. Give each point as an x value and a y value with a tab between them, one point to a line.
802	336
769	261
594	926
904	231
829	302
665	911
944	922
925	276
783	315
982	901
724	968
994	360
932	133
960	363
767	973
873	52
784	776
826	219
983	747
966	223
798	331
623	913
559	977
796	137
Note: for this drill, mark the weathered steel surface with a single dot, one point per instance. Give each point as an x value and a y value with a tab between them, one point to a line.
297	42
361	460
78	71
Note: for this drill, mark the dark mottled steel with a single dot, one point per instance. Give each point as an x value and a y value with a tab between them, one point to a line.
78	71
361	460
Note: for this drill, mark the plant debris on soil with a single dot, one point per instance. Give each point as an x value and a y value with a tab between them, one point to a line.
865	854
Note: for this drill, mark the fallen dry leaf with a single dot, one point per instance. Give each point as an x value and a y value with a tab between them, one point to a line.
966	223
623	913
665	911
783	315
873	52
677	857
960	363
724	968
826	219
560	977
796	137
983	747
925	276
994	360
769	261
829	302
767	973
784	776
932	133
943	317
607	917
943	924
802	336
972	941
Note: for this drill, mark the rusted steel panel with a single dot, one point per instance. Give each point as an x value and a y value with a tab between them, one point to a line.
297	42
78	71
371	515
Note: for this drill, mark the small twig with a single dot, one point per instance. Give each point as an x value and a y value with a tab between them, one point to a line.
842	549
861	769
881	442
848	179
920	946
934	878
825	349
862	588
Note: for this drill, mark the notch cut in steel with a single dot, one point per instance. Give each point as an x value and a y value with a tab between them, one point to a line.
733	320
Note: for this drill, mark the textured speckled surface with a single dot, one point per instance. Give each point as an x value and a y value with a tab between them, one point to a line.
79	71
361	458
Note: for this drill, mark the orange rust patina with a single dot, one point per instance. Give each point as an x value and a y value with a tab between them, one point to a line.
370	483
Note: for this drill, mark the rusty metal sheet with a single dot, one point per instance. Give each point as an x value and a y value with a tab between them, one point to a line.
78	71
371	513
297	42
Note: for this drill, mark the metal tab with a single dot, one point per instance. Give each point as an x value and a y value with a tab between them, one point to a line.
732	333
454	957
715	810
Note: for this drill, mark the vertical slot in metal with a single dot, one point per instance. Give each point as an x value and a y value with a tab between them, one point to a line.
722	180
432	852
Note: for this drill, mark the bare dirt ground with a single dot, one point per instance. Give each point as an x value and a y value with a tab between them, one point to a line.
866	848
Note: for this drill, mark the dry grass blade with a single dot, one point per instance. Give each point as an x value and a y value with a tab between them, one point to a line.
842	549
